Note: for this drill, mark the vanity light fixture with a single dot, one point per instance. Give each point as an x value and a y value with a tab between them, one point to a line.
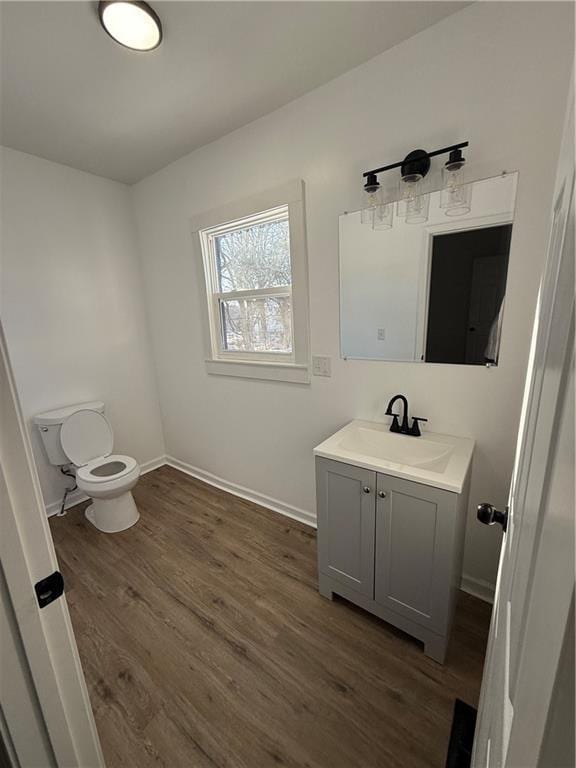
456	196
414	202
131	23
376	211
372	199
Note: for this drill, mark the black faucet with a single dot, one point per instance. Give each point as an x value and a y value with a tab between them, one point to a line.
403	429
395	427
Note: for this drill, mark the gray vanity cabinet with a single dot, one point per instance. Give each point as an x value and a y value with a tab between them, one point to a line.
392	546
346	515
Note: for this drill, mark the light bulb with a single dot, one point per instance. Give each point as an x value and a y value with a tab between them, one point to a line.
411	185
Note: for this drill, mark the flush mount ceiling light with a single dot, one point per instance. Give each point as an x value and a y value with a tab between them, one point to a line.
131	23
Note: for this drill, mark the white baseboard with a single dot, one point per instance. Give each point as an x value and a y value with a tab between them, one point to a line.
302	515
478	587
76	497
148	466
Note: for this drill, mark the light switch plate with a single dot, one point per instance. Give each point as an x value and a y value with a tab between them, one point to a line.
321	365
381	334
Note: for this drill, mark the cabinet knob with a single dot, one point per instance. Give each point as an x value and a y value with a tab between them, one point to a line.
366	489
382	494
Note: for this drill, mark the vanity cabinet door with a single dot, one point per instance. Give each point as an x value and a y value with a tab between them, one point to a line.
415	529
346	524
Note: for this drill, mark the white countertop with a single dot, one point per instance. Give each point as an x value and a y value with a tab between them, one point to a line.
441	461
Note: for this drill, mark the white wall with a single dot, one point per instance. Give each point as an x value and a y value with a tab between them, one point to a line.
72	304
496	74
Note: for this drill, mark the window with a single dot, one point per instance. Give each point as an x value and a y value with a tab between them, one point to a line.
254	270
250	279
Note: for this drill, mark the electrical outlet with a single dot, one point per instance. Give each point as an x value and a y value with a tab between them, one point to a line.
321	365
381	334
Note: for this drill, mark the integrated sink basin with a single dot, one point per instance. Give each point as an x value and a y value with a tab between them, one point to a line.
441	461
399	449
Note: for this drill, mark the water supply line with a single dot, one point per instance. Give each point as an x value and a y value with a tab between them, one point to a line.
69	472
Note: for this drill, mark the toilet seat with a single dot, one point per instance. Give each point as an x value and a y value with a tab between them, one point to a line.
85	436
102	469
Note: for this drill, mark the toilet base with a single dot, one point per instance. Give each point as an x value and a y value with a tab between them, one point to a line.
113	515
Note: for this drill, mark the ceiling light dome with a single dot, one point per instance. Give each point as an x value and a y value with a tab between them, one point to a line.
131	23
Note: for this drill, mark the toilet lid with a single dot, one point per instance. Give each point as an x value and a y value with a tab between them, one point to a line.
86	435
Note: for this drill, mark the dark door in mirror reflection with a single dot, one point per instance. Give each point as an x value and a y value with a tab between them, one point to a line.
466	298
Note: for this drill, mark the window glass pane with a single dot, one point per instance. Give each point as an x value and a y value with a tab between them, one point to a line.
254	257
261	324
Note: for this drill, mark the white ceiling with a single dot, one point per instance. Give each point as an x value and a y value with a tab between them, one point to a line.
70	94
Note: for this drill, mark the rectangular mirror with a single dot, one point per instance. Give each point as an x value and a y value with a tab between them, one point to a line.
431	292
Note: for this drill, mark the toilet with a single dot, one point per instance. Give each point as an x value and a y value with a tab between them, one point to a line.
82	435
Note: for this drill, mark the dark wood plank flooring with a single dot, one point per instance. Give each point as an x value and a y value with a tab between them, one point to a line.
205	643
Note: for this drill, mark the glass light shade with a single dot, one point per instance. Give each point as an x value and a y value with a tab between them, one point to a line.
133	24
409	188
417	209
371	201
456	195
411	185
383	216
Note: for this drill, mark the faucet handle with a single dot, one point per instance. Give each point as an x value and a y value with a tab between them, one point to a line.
395	426
415	428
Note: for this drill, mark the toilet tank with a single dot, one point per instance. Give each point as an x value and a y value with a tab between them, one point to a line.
49	424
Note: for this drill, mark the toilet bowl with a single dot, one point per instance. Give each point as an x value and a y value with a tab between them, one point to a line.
87	440
108	481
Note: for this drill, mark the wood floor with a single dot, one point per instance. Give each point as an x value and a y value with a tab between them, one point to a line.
205	643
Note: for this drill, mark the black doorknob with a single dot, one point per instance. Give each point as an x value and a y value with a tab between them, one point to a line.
489	515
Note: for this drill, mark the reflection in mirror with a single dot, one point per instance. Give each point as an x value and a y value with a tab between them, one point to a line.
431	292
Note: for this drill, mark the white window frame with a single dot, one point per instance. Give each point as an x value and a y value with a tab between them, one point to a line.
279	366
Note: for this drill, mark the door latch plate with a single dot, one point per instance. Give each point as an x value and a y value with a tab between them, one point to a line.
49	589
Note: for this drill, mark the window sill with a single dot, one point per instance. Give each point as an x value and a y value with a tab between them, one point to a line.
256	369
